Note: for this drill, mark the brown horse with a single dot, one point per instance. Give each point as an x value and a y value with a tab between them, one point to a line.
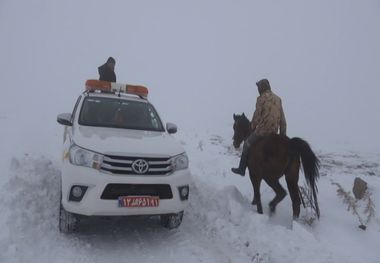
272	156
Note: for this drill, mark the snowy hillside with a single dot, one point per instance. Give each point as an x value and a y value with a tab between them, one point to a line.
200	60
220	225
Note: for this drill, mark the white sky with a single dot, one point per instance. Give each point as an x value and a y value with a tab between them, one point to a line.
200	60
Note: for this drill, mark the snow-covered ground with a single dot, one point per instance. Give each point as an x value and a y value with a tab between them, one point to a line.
200	60
220	225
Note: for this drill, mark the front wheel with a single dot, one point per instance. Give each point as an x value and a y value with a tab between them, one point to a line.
171	221
68	222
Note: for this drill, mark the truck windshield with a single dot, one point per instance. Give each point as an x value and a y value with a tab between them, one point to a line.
119	113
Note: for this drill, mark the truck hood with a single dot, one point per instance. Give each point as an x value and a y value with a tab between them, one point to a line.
126	142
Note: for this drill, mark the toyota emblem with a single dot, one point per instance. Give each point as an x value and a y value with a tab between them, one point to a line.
140	166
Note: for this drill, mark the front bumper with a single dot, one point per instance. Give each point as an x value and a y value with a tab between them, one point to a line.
96	181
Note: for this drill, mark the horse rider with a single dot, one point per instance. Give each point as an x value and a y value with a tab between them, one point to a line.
107	70
269	118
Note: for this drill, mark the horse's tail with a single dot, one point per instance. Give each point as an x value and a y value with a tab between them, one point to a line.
310	163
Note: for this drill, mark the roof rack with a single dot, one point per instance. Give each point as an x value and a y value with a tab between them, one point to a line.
113	87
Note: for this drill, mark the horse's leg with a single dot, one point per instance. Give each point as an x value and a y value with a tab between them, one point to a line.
274	183
291	177
257	196
256	182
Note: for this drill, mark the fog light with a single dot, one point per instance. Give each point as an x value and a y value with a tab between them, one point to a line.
77	192
184	192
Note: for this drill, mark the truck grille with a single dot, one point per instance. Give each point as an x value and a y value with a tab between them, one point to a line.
113	191
125	165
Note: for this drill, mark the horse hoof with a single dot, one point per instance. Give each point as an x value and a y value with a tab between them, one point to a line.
272	208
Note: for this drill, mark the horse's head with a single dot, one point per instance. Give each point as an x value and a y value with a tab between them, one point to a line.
241	129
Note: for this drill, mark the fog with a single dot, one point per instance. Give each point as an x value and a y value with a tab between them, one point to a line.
200	61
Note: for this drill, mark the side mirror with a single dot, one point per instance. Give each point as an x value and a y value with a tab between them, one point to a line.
171	127
64	119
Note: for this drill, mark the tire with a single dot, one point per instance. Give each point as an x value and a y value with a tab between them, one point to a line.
68	222
171	221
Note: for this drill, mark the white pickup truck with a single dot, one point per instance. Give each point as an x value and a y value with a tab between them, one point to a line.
119	159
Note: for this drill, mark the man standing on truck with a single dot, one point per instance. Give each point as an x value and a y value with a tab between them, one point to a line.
107	70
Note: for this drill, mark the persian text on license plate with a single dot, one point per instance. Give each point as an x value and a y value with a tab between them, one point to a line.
139	201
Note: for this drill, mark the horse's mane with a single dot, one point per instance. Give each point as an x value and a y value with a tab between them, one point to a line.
244	118
246	123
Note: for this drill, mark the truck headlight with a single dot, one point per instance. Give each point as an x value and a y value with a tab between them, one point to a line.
82	157
180	162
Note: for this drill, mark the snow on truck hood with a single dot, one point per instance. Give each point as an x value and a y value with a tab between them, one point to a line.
126	142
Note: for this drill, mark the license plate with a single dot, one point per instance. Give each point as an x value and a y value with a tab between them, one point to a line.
139	201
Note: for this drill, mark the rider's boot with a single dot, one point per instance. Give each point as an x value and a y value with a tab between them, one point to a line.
243	162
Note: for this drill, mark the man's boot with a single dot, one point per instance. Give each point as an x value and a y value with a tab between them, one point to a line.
243	162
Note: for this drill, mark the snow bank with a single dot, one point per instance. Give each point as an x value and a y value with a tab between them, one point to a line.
30	202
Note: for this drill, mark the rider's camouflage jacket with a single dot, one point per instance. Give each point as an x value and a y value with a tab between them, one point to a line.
269	116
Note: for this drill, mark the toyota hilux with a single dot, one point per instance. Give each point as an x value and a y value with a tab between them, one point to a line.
119	159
